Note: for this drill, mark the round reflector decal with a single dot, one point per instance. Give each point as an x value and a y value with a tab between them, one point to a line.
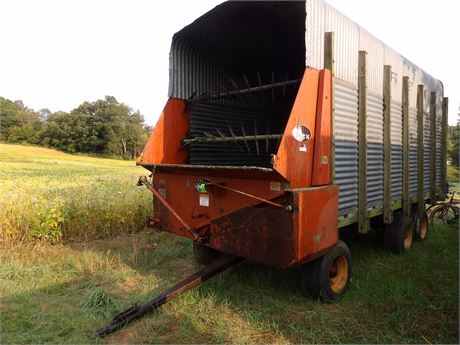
301	133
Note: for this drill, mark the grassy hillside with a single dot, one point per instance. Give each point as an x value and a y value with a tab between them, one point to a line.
61	293
51	196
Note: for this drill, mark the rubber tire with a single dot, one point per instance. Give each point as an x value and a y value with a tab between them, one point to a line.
315	275
419	234
204	255
395	234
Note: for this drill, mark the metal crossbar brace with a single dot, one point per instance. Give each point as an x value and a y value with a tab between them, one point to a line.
271	86
247	194
143	181
233	138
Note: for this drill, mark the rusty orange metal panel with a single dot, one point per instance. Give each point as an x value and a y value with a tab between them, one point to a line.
199	209
322	156
260	233
294	158
163	146
316	214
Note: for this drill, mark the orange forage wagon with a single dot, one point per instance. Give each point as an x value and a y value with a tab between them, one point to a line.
282	127
287	124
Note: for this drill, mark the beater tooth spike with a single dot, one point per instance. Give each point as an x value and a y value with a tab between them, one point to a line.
234	138
244	138
255	138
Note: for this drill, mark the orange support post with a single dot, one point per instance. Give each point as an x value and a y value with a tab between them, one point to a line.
322	157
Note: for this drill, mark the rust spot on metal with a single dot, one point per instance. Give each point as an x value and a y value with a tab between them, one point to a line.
260	233
317	237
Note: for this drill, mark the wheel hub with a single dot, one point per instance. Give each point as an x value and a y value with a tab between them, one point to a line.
423	228
338	274
408	236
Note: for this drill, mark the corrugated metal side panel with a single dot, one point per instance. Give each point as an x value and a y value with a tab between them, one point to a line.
315	26
413	147
438	144
321	17
375	60
235	45
426	150
346	144
396	150
374	150
394	60
349	39
195	68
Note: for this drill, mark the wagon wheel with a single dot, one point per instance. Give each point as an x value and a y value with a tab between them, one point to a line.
399	235
420	223
329	276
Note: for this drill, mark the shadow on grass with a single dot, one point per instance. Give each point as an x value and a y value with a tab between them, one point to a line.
411	298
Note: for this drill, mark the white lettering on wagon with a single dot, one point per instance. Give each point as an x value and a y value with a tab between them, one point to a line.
301	133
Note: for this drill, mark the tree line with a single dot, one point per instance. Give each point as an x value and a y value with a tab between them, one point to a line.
105	127
453	144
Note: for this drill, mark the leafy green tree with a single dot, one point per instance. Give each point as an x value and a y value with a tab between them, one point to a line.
57	132
104	127
100	126
110	128
18	123
453	149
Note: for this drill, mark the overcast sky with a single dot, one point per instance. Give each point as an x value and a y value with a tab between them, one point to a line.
57	54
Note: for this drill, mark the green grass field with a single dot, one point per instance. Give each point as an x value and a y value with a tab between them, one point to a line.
51	196
102	262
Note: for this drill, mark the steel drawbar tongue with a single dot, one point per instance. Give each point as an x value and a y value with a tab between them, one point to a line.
195	279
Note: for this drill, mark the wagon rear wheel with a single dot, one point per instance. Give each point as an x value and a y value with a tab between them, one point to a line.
420	223
329	276
399	235
204	255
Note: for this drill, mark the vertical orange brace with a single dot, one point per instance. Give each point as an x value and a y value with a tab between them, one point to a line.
294	159
321	174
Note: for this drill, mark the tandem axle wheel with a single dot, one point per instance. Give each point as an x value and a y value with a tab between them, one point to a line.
399	235
420	222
